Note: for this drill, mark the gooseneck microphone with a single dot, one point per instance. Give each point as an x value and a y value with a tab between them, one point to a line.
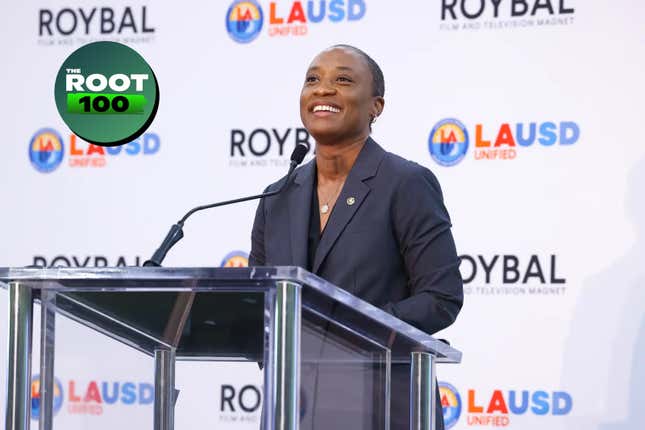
176	231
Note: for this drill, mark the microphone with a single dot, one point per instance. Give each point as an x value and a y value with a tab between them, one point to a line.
176	231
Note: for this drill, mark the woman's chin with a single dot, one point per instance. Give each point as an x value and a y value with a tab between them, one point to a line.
324	135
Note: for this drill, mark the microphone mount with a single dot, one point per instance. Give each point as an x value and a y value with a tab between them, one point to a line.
176	232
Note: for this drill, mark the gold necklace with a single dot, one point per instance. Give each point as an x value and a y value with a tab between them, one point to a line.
324	209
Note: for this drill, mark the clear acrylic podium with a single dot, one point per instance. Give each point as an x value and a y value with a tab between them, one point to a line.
327	355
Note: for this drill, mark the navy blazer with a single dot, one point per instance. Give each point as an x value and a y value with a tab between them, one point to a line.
387	240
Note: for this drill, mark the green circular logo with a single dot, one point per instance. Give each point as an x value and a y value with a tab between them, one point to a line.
106	93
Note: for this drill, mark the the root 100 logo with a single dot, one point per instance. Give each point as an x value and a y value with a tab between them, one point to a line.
106	93
79	100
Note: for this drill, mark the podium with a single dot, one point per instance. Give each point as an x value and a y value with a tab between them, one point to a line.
327	356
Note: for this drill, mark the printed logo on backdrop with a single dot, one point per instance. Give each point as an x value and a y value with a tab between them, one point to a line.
35	397
512	275
476	15
106	93
66	26
245	19
450	404
47	150
85	261
235	259
449	144
93	397
498	408
265	147
240	403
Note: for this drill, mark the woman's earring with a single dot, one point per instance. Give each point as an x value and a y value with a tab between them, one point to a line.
374	119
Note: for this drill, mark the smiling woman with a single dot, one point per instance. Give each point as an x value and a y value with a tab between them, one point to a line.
342	80
362	218
338	103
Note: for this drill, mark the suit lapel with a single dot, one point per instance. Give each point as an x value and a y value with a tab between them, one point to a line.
350	199
300	213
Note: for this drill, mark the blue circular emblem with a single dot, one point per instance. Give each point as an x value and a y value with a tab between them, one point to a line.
35	397
46	150
448	142
235	259
450	403
244	21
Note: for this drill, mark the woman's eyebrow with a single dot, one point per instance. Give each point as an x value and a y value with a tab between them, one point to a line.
314	68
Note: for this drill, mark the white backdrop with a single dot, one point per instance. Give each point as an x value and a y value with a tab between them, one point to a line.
572	343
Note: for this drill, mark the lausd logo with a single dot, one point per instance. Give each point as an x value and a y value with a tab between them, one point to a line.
46	150
448	141
92	399
35	397
499	406
236	259
508	274
476	15
244	19
450	403
83	154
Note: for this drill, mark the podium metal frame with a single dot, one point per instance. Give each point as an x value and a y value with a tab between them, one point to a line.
283	316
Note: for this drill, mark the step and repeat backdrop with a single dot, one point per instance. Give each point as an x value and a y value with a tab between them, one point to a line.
530	113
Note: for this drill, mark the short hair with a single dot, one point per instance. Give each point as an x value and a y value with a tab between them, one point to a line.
378	81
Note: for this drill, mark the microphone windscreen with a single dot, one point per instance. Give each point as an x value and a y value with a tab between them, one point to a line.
299	153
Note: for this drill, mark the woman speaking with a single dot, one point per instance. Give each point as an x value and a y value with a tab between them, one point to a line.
360	217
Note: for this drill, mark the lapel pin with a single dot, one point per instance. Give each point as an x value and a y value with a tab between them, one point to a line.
351	200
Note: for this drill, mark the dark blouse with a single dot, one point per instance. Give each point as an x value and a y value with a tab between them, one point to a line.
314	229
